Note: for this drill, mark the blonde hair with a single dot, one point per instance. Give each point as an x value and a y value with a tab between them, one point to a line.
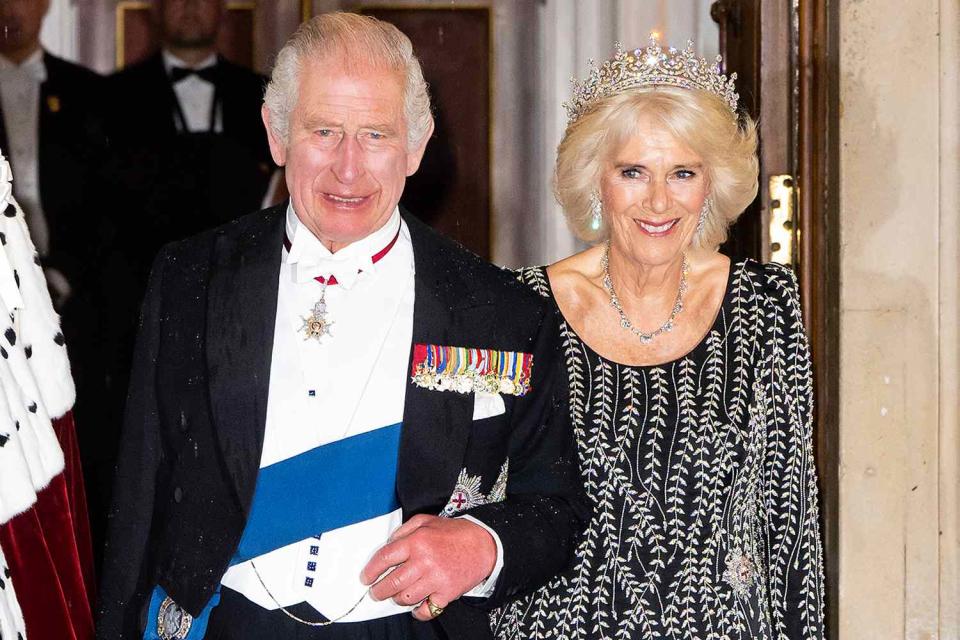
697	118
358	43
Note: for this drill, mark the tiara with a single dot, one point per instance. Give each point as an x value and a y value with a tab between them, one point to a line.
650	67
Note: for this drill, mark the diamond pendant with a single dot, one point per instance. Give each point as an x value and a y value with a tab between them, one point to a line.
316	325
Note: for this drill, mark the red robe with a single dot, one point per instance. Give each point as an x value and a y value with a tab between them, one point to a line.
49	553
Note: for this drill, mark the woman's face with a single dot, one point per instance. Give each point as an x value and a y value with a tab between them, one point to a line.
653	188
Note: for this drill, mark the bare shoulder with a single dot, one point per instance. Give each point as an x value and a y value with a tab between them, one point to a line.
576	282
711	270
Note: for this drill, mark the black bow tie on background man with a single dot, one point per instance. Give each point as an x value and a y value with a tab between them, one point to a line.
209	74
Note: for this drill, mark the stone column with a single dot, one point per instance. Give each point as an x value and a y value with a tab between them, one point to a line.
898	319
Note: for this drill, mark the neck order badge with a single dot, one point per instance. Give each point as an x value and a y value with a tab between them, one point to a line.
316	324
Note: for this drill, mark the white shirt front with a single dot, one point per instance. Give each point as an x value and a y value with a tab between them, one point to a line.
195	95
20	95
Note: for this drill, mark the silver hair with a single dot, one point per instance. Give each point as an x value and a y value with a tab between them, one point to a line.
361	42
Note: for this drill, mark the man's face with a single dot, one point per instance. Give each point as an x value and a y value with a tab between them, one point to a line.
20	22
346	157
189	23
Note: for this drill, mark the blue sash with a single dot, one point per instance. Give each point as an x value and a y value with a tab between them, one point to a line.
329	487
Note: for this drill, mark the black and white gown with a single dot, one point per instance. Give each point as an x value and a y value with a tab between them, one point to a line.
701	475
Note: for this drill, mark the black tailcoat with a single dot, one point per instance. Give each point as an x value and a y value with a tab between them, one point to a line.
196	413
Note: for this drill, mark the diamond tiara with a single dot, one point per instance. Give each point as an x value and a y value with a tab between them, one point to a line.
651	67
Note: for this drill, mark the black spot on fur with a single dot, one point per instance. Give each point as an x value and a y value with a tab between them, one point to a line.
16	278
28	350
17	425
3	352
3	238
32	408
36	259
3	440
59	339
10	335
10	211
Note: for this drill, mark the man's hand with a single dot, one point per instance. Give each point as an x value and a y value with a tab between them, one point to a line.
441	558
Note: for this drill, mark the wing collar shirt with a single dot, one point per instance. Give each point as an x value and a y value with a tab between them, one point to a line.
20	95
195	95
347	383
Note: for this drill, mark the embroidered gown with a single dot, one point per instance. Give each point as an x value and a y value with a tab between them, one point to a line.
701	475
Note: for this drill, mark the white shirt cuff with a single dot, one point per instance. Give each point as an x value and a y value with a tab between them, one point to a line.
486	587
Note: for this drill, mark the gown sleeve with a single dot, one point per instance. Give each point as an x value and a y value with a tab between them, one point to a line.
791	501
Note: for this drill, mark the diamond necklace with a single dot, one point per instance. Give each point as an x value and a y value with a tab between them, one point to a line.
666	327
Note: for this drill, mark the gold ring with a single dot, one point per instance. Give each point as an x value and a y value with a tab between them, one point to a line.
434	609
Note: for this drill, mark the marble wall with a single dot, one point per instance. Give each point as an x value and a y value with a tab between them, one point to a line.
899	315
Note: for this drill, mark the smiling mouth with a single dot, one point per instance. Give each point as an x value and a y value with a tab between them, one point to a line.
661	229
344	201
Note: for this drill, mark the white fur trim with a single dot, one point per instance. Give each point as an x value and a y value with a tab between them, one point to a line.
35	382
11	617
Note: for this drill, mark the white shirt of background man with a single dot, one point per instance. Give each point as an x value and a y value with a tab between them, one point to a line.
20	93
195	95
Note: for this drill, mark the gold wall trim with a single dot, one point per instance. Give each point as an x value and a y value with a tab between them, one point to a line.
119	31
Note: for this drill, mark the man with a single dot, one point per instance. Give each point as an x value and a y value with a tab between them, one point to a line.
187	122
51	130
311	376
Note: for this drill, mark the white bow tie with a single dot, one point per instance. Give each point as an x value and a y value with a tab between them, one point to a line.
344	270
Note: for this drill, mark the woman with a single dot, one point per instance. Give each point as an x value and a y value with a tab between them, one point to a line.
690	386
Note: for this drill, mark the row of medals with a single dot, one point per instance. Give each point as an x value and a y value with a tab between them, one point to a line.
316	325
469	382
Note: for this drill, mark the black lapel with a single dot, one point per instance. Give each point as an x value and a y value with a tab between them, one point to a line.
436	424
49	94
241	313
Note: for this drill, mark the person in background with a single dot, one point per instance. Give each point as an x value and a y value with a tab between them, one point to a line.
52	130
691	389
187	124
